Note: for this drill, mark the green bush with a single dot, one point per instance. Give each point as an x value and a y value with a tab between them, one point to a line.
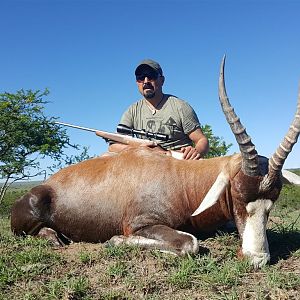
10	197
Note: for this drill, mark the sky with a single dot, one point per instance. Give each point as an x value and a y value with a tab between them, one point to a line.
85	52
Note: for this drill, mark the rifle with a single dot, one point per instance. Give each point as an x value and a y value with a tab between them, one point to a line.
122	138
127	139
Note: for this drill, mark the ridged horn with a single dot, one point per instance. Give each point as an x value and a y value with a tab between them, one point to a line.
248	152
278	158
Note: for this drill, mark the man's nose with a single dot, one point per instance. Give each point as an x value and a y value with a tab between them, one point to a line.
146	79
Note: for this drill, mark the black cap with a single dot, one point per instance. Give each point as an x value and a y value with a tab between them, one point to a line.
151	63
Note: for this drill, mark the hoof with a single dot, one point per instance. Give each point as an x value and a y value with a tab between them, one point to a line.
50	235
257	260
116	240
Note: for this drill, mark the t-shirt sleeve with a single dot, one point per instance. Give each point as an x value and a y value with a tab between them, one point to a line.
127	118
190	121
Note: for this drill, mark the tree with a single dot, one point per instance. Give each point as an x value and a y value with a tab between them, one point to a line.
26	135
217	146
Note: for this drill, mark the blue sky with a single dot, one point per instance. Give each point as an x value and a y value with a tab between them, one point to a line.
85	53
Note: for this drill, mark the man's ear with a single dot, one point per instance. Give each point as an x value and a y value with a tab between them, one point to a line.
162	80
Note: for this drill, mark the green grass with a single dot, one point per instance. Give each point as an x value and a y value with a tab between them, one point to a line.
24	259
31	269
10	198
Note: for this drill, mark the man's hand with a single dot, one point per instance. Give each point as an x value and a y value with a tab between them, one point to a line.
190	153
201	145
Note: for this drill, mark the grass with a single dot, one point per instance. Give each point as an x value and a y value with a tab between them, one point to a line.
31	269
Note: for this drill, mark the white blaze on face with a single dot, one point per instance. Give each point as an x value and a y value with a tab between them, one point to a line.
255	243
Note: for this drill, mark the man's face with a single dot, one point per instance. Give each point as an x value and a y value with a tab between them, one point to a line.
149	82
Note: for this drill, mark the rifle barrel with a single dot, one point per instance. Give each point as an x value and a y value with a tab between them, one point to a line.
75	126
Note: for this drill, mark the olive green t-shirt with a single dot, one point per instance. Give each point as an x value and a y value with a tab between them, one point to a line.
174	117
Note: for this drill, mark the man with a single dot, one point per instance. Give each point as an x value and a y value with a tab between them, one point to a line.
162	113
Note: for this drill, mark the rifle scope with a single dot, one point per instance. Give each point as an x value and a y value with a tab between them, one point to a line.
126	130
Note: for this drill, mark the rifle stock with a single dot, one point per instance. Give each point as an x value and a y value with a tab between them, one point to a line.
124	139
129	140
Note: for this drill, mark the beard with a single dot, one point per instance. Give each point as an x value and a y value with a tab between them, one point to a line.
148	91
149	94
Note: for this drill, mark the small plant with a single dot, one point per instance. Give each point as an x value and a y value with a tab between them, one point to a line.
67	288
86	257
118	269
114	295
121	251
77	288
183	275
278	279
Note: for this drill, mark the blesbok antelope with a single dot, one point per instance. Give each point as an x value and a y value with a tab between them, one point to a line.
142	196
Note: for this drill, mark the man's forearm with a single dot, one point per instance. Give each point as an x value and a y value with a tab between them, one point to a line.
202	146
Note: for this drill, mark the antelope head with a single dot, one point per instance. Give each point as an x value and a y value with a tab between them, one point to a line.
256	186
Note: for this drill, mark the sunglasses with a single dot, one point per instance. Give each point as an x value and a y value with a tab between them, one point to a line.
151	76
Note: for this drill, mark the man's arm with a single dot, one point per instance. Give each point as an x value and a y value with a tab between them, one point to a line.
201	145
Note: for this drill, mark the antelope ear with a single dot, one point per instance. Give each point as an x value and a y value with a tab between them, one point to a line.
290	177
213	194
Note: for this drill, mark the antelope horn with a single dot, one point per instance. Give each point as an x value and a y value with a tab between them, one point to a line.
248	152
285	147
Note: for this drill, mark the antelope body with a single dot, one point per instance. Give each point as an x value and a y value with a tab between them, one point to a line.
142	196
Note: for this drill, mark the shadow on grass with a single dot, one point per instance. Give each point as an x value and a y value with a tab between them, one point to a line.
282	244
283	241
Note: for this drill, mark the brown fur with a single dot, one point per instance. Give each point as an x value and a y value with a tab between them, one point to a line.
106	196
138	192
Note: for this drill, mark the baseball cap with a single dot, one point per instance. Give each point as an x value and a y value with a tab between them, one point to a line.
151	63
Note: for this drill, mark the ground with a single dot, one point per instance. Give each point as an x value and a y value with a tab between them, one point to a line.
31	269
